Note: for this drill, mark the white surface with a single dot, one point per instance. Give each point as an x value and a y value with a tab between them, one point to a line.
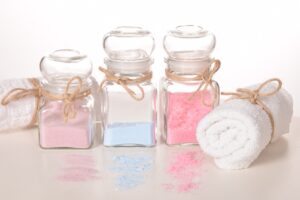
256	40
28	172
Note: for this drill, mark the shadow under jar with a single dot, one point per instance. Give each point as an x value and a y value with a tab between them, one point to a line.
188	92
128	95
67	112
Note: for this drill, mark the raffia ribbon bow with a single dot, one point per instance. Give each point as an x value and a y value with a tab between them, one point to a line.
69	98
254	96
206	79
20	93
126	81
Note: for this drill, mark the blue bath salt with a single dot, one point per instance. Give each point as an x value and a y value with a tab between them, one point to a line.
130	170
130	134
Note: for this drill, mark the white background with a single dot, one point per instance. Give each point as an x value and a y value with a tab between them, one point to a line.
256	40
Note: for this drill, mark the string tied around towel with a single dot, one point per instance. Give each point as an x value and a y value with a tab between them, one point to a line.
254	96
21	93
126	81
205	78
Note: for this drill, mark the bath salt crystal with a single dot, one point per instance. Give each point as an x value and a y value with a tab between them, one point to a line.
130	170
19	113
183	115
78	168
185	169
78	174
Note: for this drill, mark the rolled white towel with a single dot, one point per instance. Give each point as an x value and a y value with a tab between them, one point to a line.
237	131
19	113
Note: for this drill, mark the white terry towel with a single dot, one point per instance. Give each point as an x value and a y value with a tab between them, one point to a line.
236	132
16	114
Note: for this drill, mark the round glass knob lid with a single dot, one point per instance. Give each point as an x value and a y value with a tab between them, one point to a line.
65	63
128	43
189	42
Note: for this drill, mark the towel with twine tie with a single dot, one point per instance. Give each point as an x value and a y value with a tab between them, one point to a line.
23	112
237	131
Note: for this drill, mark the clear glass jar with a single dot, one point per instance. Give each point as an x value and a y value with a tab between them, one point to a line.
58	129
128	121
182	104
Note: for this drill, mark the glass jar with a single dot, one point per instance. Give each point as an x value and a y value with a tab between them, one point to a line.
128	96
187	93
66	115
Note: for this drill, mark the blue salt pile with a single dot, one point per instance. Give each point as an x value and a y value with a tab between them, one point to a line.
130	170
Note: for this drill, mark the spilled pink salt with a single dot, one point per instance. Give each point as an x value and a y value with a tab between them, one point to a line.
78	168
78	174
185	170
184	114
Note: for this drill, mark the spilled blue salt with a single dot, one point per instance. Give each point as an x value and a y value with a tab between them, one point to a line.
127	134
130	170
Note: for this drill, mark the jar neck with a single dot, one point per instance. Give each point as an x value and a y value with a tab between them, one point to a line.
189	67
58	84
128	68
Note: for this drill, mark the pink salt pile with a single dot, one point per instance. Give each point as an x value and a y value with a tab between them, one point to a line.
78	168
185	170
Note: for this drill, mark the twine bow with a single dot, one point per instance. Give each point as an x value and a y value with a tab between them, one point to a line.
254	97
206	79
20	93
68	97
125	81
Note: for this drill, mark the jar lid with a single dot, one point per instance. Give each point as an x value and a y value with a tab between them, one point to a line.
129	49
189	42
189	48
61	65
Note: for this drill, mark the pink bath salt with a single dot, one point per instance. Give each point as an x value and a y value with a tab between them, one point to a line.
78	168
183	165
79	174
184	114
55	132
185	169
186	187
